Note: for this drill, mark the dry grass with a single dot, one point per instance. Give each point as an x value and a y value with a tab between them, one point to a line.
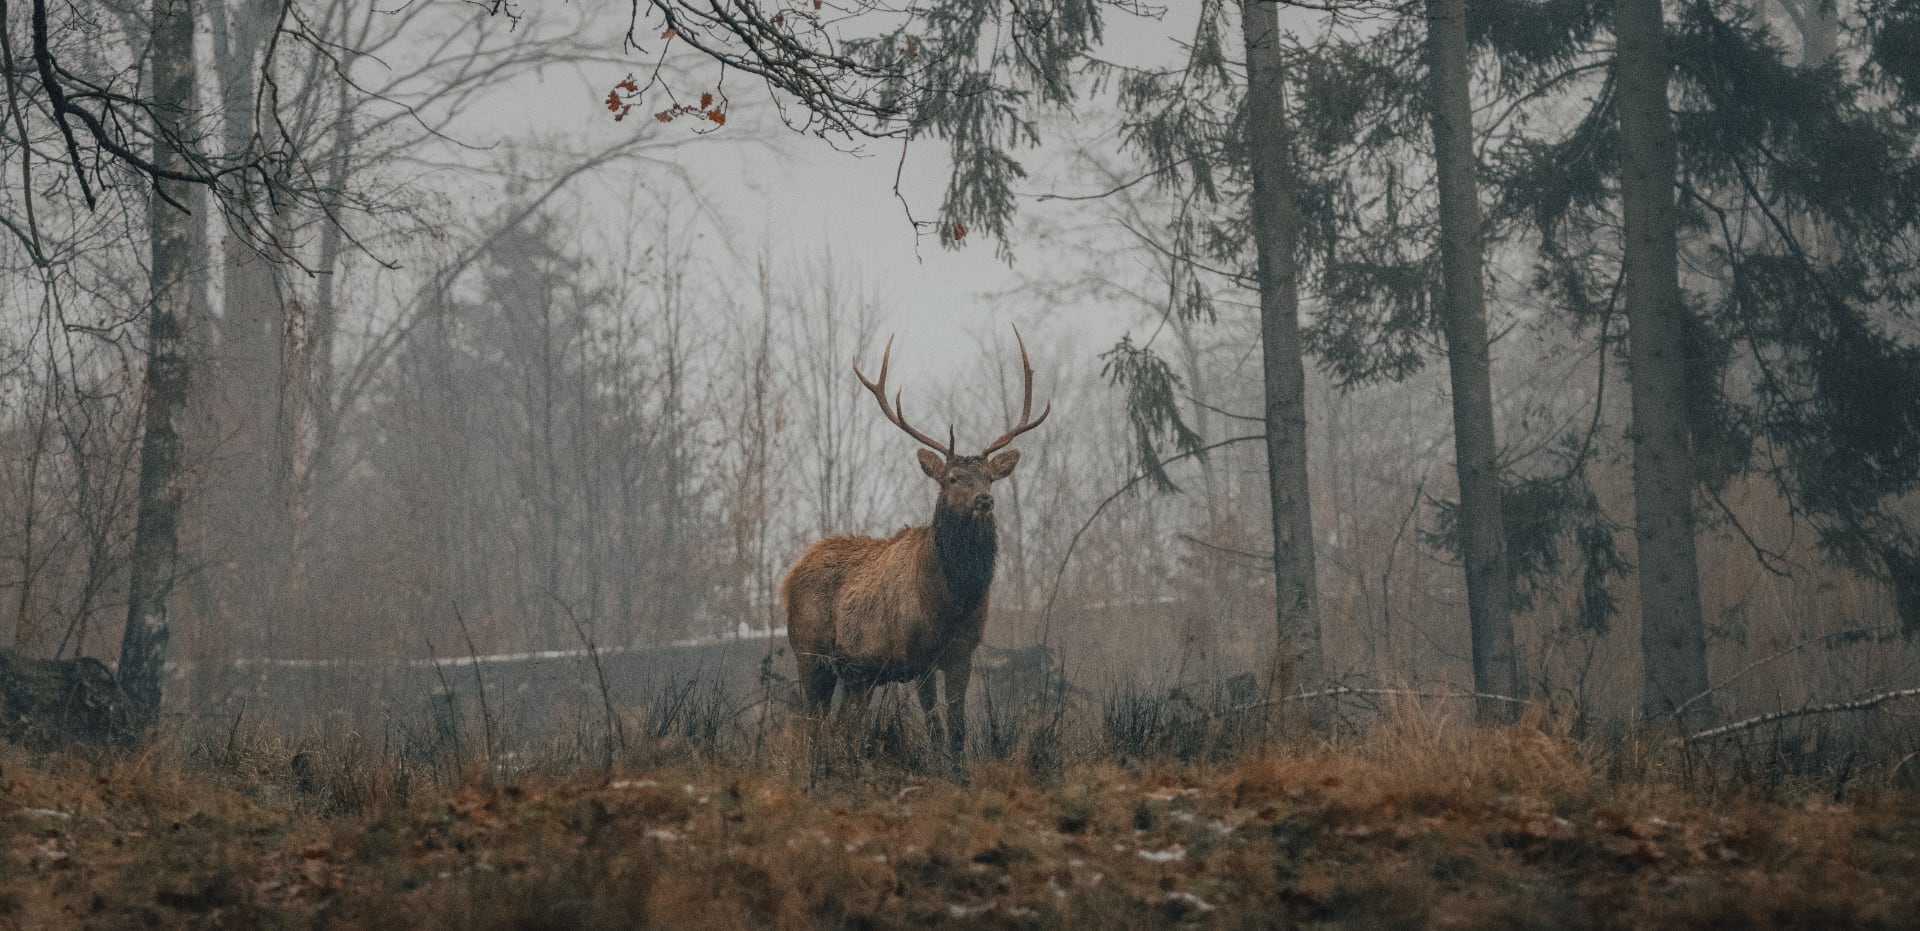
1422	822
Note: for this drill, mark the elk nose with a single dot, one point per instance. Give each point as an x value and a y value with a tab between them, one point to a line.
983	502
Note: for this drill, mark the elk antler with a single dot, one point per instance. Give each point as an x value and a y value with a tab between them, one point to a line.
1026	402
893	410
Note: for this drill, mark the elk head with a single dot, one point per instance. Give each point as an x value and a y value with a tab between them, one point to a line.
965	481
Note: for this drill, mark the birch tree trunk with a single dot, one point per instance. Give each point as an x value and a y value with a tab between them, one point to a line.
1672	637
1276	233
1496	668
177	243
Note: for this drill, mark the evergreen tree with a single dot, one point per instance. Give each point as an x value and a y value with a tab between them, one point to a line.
1795	261
1273	213
1673	646
1222	141
1786	350
1463	312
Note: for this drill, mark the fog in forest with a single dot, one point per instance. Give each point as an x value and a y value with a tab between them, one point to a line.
463	379
834	463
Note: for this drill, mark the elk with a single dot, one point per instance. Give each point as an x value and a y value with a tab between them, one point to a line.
864	611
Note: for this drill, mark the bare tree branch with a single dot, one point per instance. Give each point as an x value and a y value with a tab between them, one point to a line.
1858	704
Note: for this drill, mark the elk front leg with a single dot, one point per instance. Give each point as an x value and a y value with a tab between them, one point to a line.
930	705
957	672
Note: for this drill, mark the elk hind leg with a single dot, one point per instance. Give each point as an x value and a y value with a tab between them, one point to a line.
856	694
816	684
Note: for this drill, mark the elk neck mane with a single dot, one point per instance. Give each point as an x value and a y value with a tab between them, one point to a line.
965	547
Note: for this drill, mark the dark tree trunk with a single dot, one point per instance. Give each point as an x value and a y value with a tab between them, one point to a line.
1276	233
175	235
1496	667
1672	640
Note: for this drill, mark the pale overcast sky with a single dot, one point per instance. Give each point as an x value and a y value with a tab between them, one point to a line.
796	191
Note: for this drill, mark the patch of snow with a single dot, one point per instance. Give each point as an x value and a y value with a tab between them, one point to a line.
1169	855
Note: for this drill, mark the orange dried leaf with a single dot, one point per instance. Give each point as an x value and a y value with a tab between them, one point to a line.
717	118
816	4
959	231
706	101
664	116
913	47
670	33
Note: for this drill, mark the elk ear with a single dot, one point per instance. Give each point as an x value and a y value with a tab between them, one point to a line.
1001	466
932	464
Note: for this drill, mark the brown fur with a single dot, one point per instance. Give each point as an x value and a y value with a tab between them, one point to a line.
863	611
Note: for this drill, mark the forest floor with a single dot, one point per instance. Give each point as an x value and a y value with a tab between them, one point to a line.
1462	828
